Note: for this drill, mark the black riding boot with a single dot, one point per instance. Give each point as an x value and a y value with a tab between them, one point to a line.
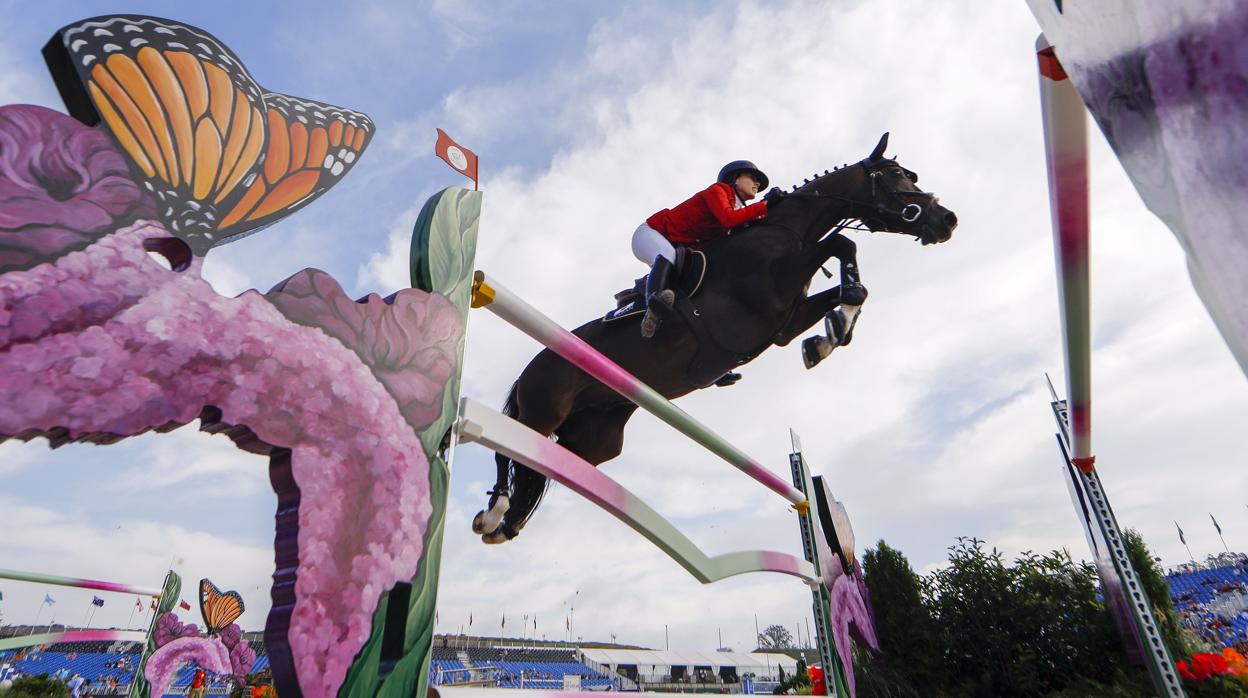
659	295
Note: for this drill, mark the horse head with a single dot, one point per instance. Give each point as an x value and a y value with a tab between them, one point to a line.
891	202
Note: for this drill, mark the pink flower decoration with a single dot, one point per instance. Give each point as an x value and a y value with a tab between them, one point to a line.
208	653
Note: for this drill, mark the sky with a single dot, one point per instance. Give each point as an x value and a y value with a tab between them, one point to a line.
588	117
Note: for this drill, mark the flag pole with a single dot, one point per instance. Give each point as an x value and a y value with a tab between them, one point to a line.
87	613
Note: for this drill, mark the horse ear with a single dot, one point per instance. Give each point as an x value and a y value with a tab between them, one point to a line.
879	148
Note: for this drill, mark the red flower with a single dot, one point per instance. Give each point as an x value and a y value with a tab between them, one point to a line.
1184	672
1203	666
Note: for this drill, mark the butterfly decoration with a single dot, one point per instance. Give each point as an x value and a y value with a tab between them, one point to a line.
223	156
219	609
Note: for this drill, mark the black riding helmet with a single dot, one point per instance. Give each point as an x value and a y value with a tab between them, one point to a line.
736	167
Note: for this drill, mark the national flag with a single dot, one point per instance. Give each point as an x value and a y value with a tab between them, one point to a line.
535	622
138	602
48	600
184	605
567	622
97	601
1215	524
470	620
1181	538
463	160
504	623
153	606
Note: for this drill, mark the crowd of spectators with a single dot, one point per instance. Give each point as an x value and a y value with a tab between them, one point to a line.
1211	599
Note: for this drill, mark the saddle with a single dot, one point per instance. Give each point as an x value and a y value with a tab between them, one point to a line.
690	271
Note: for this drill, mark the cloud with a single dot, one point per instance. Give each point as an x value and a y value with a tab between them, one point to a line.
49	541
934	423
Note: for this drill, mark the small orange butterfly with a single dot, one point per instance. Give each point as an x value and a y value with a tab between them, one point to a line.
218	608
223	157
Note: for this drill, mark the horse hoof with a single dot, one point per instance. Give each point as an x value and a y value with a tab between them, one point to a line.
815	349
649	324
488	520
495	537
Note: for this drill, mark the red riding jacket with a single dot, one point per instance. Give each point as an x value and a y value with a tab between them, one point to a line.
705	216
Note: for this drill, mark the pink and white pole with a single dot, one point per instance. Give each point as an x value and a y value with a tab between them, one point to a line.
489	294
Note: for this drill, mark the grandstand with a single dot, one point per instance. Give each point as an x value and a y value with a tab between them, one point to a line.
457	660
109	666
1212	599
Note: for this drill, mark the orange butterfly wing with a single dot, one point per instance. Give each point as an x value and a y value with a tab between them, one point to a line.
223	157
311	146
218	609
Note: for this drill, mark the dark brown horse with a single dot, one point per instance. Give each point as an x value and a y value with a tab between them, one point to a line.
753	295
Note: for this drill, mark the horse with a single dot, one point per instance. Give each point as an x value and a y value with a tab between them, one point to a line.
753	295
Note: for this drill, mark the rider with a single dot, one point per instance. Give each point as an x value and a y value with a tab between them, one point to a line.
708	215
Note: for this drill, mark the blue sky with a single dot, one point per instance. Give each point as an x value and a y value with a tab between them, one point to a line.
589	117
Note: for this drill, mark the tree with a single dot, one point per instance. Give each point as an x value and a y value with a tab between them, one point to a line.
1030	628
1158	591
775	637
910	661
37	687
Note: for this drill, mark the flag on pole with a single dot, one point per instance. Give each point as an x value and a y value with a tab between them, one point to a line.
138	602
463	160
470	620
1215	524
1181	538
153	606
48	600
1	596
97	601
184	605
504	623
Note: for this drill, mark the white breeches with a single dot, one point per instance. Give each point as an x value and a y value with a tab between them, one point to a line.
649	243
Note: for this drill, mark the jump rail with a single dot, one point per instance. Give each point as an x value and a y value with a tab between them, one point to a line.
499	433
489	294
516	441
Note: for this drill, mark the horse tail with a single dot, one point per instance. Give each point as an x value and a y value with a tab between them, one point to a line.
511	408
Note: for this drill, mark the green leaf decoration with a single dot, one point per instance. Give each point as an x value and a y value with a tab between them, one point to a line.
444	244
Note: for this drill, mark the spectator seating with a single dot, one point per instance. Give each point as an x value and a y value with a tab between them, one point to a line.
1213	602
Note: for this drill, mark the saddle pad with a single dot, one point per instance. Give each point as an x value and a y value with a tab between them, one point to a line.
689	281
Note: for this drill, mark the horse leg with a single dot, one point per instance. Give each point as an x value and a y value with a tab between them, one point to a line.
808	312
596	435
542	408
839	306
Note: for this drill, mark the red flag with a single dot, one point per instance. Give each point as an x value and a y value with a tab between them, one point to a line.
153	605
184	606
463	160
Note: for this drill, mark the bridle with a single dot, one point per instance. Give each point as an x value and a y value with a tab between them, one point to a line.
909	212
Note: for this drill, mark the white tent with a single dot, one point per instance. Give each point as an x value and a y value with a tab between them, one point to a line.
656	665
